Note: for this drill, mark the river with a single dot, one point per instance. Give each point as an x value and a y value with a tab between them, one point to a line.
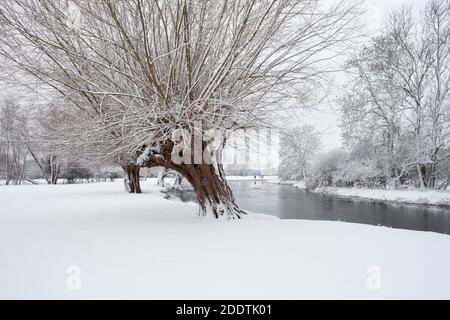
287	202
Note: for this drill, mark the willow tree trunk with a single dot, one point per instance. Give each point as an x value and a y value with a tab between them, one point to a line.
132	180
214	196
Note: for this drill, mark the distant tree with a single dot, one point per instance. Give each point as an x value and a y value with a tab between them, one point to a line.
436	29
398	101
371	110
48	157
13	152
298	146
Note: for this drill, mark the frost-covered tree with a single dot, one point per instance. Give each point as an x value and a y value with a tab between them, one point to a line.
298	146
147	79
398	100
22	140
371	112
49	158
13	132
436	28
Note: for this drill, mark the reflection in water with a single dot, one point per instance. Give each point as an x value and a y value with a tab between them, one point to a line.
287	202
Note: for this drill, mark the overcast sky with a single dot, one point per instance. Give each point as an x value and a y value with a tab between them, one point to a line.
326	119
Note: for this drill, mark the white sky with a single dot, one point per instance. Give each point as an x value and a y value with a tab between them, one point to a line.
326	119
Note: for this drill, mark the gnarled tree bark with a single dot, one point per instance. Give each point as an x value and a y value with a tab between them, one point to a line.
214	196
132	181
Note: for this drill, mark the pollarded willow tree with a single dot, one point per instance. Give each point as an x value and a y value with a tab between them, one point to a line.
144	80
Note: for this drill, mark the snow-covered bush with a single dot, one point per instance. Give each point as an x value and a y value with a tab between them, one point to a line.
325	168
75	172
338	168
108	173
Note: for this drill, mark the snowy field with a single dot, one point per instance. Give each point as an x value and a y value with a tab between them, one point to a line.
143	246
428	197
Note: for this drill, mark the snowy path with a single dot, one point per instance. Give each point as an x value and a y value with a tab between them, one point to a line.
142	246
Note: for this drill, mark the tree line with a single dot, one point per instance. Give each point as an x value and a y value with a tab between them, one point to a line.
394	114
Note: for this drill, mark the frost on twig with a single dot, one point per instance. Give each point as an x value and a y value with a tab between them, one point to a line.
151	150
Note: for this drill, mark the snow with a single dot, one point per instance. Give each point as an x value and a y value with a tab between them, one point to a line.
251	178
417	196
296	184
280	181
301	185
143	246
25	182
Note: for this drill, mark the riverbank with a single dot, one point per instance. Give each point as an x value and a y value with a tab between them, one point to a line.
297	184
419	197
416	196
251	178
145	247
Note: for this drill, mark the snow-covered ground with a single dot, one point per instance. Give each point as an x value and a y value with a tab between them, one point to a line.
143	246
428	197
300	185
294	183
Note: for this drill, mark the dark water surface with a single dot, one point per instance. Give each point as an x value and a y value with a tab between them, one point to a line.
287	202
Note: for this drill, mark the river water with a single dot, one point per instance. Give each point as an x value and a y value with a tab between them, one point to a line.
287	202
